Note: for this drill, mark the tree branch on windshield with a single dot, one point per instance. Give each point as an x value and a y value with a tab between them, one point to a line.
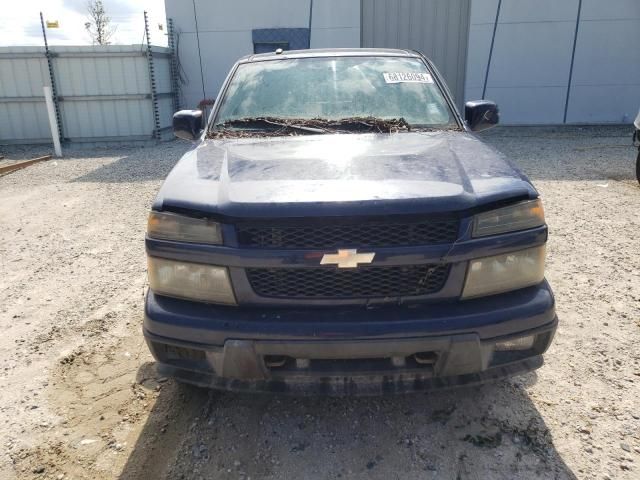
275	127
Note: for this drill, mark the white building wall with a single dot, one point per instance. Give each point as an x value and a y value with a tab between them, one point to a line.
606	72
531	61
336	23
225	30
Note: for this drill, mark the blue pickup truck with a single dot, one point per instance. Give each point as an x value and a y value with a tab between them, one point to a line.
338	228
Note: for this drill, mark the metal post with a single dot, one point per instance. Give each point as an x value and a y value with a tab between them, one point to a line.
195	18
152	79
493	40
573	58
53	122
52	79
175	75
310	21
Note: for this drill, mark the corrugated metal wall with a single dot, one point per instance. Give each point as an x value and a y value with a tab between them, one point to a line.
104	93
437	28
23	114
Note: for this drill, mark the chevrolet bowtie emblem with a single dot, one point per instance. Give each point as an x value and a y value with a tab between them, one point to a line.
347	258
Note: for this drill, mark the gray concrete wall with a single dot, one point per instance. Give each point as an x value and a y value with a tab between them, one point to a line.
531	61
225	27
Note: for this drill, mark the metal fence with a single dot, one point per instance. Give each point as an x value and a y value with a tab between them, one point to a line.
101	93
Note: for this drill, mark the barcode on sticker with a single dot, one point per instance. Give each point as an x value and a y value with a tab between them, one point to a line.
400	77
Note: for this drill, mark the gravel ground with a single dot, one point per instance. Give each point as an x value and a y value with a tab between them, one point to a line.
80	398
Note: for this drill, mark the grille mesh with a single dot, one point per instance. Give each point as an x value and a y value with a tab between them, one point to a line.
323	236
364	282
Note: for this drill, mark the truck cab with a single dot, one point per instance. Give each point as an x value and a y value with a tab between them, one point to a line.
338	228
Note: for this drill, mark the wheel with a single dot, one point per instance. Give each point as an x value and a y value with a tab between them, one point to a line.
638	167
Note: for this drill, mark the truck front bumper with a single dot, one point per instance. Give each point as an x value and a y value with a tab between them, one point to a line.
351	351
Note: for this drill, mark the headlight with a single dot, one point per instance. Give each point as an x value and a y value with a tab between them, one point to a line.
520	216
502	273
193	281
169	226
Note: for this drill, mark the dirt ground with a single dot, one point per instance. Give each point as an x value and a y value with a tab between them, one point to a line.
79	397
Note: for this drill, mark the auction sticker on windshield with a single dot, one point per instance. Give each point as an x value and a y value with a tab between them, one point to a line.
410	77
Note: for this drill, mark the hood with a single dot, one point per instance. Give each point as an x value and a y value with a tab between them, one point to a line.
342	174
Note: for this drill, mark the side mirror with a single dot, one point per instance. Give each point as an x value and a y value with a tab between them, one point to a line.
187	124
481	114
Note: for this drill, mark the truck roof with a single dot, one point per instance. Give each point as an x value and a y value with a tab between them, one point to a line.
329	52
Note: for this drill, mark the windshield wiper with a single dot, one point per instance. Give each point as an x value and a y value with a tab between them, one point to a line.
259	123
